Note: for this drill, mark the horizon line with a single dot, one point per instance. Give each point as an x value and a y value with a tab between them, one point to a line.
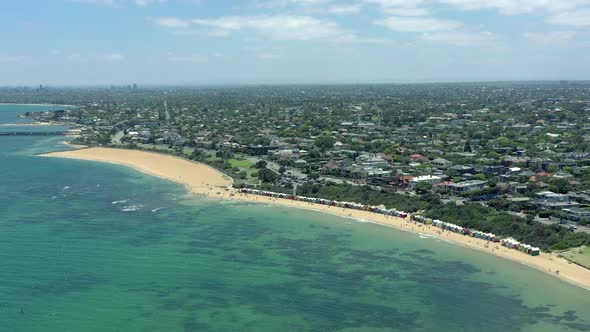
327	83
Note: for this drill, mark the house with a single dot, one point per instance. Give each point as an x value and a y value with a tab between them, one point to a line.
300	163
386	157
518	188
494	169
442	186
370	160
331	167
550	201
460	169
402	181
514	170
467	186
441	163
576	214
378	176
366	125
416	157
430	179
401	150
551	196
260	150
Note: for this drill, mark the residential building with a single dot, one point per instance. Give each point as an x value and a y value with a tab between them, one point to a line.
467	186
441	163
430	179
577	214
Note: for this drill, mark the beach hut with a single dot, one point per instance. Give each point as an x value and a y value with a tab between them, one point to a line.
527	249
535	251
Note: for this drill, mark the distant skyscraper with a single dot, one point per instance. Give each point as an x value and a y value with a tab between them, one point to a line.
134	86
40	86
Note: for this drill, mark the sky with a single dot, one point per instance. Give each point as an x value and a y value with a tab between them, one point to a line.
103	42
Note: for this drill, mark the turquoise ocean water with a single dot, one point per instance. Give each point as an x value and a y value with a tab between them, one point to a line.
86	246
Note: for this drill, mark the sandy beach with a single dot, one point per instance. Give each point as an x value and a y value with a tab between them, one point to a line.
203	180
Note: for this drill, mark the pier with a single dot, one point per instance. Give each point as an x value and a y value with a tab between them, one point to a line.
40	133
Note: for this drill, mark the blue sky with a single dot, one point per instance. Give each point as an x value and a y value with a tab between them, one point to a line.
87	42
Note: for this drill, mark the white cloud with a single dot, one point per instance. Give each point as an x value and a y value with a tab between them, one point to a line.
173	22
119	3
401	7
278	27
309	2
221	56
267	56
552	37
97	2
397	3
75	57
577	18
407	11
115	57
344	9
513	7
418	24
85	58
459	38
191	58
274	4
149	2
11	58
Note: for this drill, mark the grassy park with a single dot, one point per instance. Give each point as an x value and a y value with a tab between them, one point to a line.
581	257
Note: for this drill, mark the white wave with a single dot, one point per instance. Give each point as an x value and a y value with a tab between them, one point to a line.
66	188
131	208
157	209
426	236
120	202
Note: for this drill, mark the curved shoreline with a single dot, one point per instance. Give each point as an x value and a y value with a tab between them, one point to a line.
206	181
37	104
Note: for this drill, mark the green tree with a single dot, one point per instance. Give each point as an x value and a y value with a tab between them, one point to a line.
423	188
197	154
261	164
267	175
325	142
467	147
552	168
457	179
479	176
561	186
